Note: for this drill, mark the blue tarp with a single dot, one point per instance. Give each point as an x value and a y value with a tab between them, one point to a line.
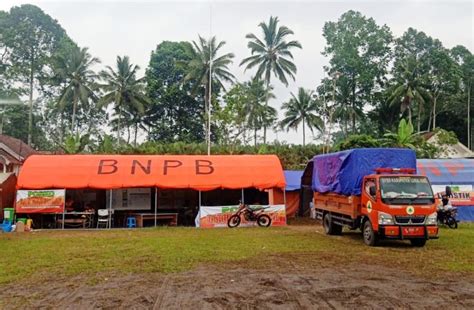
293	180
342	172
451	172
447	171
465	213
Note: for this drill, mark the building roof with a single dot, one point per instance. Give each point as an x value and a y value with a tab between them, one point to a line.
427	135
5	176
9	158
17	146
457	150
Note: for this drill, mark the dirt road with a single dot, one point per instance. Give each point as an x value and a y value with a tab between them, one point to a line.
234	287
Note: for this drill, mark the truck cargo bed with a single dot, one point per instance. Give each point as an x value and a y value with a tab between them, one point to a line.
345	205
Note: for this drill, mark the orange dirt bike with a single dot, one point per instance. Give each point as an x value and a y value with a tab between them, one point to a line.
250	214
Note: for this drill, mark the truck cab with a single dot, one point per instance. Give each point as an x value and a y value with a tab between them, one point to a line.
397	204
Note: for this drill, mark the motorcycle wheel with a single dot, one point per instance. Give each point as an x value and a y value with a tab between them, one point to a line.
264	220
452	223
233	221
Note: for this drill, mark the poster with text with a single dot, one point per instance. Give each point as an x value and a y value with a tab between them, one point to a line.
462	195
40	201
211	217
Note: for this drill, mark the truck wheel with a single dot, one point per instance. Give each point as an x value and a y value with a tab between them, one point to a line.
418	242
370	238
330	228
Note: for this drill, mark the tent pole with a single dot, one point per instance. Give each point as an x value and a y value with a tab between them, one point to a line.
110	208
199	211
243	197
156	202
284	201
64	210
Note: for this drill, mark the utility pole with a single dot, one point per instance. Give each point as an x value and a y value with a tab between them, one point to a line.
210	84
469	144
335	76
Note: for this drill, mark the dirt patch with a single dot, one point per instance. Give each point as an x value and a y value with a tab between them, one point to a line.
211	287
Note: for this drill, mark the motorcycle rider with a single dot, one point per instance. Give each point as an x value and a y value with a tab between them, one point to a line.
444	206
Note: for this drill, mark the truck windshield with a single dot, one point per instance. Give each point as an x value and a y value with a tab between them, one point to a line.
406	190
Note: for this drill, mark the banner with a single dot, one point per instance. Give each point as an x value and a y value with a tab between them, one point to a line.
463	195
210	217
40	201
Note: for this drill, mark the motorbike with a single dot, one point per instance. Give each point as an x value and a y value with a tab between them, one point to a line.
254	214
448	218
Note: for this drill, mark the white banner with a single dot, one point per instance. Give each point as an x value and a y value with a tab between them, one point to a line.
40	201
210	217
454	188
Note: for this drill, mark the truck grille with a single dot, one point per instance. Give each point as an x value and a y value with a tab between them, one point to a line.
409	219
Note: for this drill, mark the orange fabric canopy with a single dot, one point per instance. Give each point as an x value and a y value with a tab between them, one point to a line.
199	172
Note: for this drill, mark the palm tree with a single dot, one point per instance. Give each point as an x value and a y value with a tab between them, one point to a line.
74	69
124	90
409	89
258	114
302	109
200	64
272	55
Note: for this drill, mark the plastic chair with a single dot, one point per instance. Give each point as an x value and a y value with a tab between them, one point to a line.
103	218
6	226
131	222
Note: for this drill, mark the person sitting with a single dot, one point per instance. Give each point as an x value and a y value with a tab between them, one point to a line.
69	205
72	206
446	203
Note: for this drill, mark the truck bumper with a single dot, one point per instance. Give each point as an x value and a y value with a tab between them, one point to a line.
408	232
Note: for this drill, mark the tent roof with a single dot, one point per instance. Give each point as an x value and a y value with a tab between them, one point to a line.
293	179
199	172
447	171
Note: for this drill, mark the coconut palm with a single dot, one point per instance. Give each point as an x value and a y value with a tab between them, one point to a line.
74	69
123	90
409	89
258	114
272	54
200	64
302	109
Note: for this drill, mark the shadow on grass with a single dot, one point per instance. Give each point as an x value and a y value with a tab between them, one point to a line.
357	236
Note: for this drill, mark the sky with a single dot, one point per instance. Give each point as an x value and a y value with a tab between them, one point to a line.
134	28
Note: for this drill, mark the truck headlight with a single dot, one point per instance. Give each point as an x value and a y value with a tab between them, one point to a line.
385	219
432	219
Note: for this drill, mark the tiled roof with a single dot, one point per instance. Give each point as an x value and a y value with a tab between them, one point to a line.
427	135
10	158
17	146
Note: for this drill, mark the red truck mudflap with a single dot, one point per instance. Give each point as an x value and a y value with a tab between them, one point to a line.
408	232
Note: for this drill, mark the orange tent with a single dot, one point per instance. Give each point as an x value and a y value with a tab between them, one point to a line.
198	172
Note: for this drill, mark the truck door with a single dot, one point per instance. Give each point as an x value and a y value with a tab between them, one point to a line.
368	198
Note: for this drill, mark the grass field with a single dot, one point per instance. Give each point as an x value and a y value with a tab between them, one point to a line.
69	253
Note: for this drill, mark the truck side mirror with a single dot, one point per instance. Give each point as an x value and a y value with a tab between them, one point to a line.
448	191
372	190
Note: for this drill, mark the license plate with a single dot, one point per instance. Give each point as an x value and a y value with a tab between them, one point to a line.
412	231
